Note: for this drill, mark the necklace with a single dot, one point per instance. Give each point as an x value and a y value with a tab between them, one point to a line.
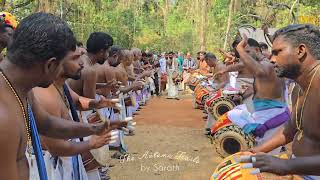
63	97
299	121
25	115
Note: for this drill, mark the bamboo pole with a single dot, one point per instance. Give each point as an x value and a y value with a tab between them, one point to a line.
229	23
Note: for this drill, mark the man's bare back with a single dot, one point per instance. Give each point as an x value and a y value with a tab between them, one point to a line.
268	86
220	78
266	83
122	74
296	56
105	74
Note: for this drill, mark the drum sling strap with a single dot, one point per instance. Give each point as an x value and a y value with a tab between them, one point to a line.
36	145
75	117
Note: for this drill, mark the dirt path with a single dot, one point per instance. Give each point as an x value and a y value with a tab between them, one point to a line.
169	144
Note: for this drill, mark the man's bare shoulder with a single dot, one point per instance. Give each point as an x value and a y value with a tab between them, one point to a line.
109	74
120	70
8	122
100	69
88	71
48	98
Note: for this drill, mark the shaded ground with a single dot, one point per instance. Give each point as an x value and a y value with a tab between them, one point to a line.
172	130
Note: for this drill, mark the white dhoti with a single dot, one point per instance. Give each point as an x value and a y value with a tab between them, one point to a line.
172	87
152	85
241	117
58	168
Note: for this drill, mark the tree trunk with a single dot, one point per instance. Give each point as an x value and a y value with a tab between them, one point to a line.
229	23
237	6
3	4
44	6
204	24
165	11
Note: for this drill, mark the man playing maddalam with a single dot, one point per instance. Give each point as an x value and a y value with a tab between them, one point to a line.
296	54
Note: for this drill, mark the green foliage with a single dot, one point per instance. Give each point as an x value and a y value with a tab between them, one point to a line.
150	24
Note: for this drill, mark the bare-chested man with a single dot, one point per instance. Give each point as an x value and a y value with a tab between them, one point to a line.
117	61
35	57
219	82
212	61
296	54
269	109
122	74
267	85
137	55
55	100
6	32
98	46
245	77
106	79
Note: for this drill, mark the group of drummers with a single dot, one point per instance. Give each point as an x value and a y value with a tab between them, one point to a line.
82	101
257	100
65	106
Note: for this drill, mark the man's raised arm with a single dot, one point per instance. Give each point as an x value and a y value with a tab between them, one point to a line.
253	66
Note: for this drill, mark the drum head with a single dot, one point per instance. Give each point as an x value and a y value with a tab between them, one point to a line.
220	106
101	155
230	168
231	139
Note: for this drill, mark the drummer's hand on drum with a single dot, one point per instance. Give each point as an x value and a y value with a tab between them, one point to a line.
138	85
107	126
99	141
113	84
104	102
118	124
266	163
